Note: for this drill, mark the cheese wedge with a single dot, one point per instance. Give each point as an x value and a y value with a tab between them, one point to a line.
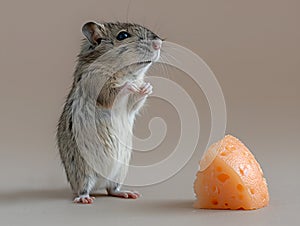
230	178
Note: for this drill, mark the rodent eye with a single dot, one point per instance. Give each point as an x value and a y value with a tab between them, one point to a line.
123	35
99	41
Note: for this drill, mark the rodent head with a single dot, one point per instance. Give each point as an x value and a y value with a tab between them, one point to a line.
120	43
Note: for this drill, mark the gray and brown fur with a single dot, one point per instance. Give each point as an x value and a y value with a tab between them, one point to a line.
95	128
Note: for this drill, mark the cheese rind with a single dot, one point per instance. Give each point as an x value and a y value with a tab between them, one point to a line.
232	179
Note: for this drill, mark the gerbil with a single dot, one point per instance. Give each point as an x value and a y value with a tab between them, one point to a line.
94	132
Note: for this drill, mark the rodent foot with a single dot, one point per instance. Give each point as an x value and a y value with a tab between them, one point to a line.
146	89
130	87
125	194
84	199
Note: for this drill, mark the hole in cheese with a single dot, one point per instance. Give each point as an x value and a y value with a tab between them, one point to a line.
223	177
214	202
242	172
240	187
230	178
230	147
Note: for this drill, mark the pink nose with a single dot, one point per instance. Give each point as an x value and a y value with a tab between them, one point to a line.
156	44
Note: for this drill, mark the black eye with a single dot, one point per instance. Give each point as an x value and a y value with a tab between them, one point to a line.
123	35
99	41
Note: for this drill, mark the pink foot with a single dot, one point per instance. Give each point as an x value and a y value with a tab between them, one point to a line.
84	199
146	89
125	194
130	87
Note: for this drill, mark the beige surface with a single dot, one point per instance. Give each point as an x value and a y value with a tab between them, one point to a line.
253	48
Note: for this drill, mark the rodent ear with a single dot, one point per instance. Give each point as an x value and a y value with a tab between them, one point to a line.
92	31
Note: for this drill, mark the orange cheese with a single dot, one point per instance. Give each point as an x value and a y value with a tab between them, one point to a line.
230	178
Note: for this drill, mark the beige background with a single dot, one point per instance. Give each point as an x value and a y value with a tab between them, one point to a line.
252	47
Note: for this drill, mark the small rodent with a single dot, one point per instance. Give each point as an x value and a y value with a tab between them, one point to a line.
94	134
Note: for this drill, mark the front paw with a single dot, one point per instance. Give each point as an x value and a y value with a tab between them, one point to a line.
146	89
129	88
133	88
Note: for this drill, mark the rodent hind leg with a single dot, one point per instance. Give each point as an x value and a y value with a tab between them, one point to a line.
117	192
83	195
84	199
